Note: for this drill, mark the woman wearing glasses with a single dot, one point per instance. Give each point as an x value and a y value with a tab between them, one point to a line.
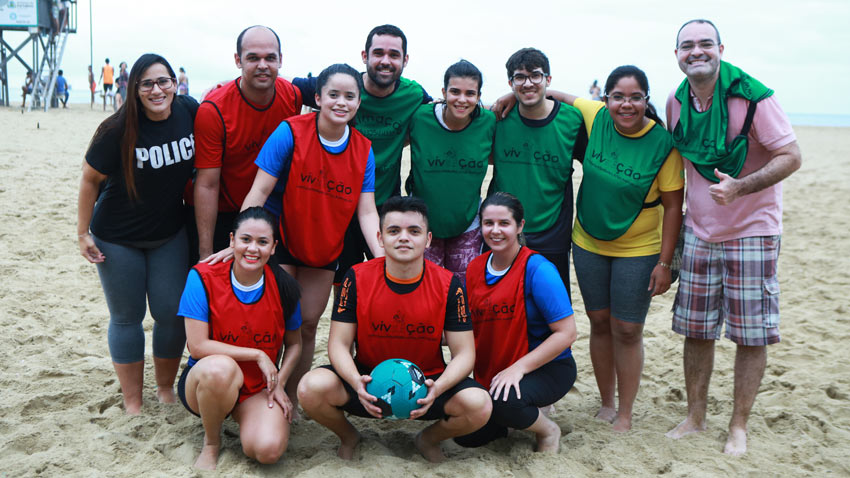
450	146
628	214
130	223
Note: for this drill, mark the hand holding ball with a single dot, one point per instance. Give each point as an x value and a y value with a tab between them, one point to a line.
397	383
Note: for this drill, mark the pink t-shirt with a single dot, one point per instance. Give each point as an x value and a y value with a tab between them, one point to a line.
756	214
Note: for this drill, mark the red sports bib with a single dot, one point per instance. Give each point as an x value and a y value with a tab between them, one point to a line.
258	326
498	316
322	191
408	326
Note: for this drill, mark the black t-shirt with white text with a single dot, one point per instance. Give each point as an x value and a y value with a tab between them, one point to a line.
164	161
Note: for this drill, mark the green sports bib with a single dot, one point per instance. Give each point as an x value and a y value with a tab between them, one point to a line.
701	136
385	122
535	163
617	174
448	168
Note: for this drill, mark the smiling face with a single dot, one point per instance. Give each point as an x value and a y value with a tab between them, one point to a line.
500	229
461	96
253	243
260	60
698	51
385	60
627	105
528	93
156	103
404	236
339	99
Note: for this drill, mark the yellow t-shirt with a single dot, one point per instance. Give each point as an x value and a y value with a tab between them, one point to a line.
644	237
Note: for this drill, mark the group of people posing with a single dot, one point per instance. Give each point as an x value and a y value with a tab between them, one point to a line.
236	218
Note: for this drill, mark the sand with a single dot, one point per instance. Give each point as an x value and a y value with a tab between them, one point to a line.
61	410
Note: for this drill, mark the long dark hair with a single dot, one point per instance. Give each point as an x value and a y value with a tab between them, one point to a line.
126	119
632	71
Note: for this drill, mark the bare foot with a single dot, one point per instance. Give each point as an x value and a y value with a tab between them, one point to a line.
549	440
430	452
685	428
547	410
165	395
132	407
622	423
208	458
348	446
606	414
736	444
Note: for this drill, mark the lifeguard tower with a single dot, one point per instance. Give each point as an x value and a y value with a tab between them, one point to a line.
44	26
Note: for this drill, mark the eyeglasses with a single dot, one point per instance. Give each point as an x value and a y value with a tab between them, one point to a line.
618	98
162	82
536	78
687	46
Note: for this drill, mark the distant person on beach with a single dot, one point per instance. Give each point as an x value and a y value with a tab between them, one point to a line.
401	291
123	78
107	74
27	88
595	91
92	85
182	82
131	223
242	320
233	123
62	88
738	145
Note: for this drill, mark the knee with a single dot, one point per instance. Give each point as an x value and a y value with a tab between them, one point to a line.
314	388
627	333
476	405
600	323
266	449
219	373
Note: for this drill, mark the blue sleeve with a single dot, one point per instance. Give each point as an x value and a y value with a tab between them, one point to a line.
307	86
426	98
193	302
276	154
543	286
369	177
294	321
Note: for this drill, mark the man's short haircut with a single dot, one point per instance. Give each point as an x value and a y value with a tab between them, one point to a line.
239	39
697	20
404	204
387	29
527	59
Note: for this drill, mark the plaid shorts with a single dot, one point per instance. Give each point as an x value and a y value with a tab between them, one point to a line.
732	281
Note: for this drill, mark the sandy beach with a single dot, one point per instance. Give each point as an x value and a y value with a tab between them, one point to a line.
61	410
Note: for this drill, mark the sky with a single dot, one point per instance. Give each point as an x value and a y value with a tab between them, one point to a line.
797	48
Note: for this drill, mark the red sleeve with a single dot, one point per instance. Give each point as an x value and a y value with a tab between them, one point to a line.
209	136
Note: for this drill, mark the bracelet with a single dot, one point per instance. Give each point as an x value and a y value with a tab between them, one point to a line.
80	236
664	265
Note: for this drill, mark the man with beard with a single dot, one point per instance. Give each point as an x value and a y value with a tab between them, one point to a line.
739	146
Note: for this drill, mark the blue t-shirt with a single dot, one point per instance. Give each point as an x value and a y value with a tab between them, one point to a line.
61	85
546	299
276	156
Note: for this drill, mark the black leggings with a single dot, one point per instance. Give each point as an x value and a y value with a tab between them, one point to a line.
540	388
